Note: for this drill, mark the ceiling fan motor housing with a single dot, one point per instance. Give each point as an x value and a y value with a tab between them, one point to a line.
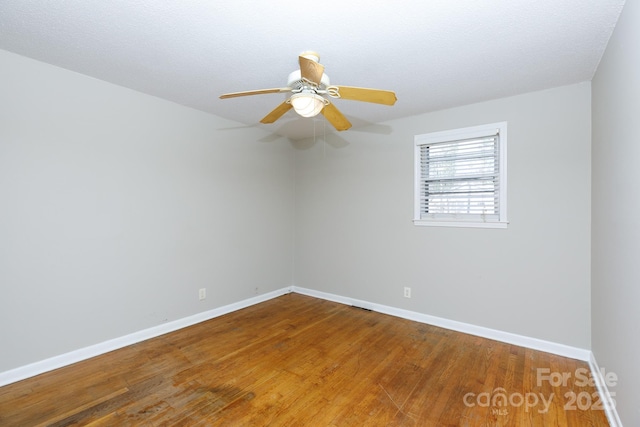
296	83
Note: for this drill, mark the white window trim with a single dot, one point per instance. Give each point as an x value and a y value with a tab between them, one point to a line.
455	134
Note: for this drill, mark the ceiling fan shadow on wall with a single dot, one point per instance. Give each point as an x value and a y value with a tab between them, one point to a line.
311	89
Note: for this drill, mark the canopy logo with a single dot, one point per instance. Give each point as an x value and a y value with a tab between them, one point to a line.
500	401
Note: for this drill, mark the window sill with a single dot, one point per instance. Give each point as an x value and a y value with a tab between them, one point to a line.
463	224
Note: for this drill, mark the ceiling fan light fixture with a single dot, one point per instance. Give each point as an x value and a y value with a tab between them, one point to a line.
307	104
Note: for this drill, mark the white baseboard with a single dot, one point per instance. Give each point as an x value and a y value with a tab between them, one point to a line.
607	397
74	356
520	340
56	362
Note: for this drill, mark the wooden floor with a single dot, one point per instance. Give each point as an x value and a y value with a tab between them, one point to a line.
301	361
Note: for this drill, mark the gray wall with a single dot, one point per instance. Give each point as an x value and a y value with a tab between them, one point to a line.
116	207
354	235
616	208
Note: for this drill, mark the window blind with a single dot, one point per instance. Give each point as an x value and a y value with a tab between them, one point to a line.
461	178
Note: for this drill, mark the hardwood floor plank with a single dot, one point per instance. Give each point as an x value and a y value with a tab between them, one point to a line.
66	416
302	361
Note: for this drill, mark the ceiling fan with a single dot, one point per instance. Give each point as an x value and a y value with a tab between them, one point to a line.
310	87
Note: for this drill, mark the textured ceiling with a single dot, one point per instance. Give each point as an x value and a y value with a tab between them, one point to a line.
434	54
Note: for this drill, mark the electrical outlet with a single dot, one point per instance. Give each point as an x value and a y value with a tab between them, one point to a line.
202	294
407	292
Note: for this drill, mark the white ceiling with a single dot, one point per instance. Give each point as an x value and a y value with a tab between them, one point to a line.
433	53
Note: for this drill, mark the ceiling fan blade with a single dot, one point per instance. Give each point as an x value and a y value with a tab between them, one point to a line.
255	92
277	112
335	117
311	70
377	96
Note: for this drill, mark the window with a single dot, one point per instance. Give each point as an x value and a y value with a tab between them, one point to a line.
461	177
